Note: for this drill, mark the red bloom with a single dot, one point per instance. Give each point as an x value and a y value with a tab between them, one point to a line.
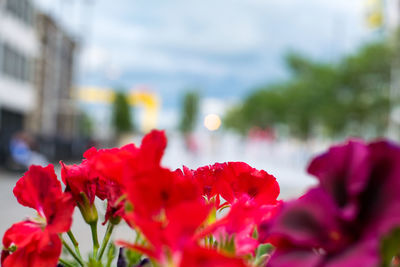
251	195
158	189
115	201
150	187
233	180
256	184
169	235
112	165
108	165
170	211
168	207
37	242
35	247
202	257
240	223
83	187
78	180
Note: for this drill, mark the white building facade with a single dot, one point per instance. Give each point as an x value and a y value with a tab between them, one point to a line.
18	52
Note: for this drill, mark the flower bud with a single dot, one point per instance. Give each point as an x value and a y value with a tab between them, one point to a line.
88	211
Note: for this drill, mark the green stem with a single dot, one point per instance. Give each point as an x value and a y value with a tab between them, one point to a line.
211	241
110	254
78	259
109	262
75	243
65	263
137	238
93	227
107	235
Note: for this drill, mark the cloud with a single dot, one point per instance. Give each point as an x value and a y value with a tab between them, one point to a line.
94	58
224	46
210	36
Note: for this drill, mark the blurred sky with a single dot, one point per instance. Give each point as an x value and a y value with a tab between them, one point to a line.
224	48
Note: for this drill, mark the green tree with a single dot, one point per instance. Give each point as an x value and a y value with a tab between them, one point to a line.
189	112
350	97
121	116
85	125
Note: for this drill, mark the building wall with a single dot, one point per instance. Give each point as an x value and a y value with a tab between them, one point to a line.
36	76
18	51
19	48
55	120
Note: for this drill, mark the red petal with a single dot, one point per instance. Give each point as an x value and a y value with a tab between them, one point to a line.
37	188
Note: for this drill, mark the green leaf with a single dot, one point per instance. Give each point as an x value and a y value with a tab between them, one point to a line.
94	263
132	257
390	247
264	249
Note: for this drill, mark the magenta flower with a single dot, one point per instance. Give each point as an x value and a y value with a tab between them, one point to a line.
342	221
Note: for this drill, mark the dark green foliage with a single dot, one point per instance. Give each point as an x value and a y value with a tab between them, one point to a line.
121	114
350	97
189	112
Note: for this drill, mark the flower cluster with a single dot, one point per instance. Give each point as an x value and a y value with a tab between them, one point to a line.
204	217
223	215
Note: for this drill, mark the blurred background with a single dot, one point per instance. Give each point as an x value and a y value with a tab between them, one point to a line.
268	82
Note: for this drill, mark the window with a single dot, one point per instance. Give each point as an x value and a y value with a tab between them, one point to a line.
22	9
15	64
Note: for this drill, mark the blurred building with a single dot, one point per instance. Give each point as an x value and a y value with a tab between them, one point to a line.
392	14
37	59
18	49
55	117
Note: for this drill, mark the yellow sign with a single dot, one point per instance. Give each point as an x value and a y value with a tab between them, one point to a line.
375	15
149	101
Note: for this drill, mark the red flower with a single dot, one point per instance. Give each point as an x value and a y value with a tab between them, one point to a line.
211	181
83	187
37	241
169	208
168	236
256	184
202	257
150	187
115	201
112	165
243	218
35	247
232	180
107	165
78	180
158	189
251	195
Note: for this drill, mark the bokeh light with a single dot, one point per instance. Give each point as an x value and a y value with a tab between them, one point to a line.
212	122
